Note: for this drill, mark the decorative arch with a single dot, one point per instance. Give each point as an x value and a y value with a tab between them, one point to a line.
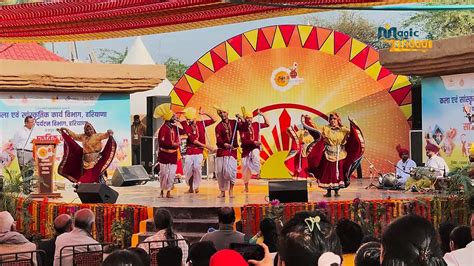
320	39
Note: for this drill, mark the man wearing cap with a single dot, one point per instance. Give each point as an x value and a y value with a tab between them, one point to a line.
12	241
168	143
250	144
226	157
195	145
404	165
435	161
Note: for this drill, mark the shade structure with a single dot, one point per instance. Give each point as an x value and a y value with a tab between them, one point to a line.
65	20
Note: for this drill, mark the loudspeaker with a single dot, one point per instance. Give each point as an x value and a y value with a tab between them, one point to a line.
288	191
152	102
417	146
96	193
148	156
130	176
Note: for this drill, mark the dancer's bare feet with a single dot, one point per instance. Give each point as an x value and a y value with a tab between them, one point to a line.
222	195
161	194
231	194
196	191
168	195
190	191
246	189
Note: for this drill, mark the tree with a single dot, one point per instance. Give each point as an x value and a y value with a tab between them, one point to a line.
174	69
353	25
443	24
109	56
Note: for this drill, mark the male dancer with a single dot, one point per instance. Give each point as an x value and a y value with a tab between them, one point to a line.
196	143
168	143
226	157
250	143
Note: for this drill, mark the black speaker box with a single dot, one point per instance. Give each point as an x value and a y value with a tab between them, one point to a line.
417	146
288	191
148	156
130	176
96	193
152	124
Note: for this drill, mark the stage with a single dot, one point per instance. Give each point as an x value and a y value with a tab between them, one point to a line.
148	194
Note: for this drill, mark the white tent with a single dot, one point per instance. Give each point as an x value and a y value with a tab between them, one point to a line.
139	55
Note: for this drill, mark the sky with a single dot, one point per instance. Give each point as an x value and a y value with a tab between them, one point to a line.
188	46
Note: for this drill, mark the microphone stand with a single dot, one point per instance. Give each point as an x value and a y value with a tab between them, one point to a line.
371	171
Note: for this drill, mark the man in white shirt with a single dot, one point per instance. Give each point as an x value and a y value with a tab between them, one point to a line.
22	143
434	161
80	235
403	166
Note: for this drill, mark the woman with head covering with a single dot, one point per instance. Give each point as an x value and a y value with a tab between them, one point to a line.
88	163
335	153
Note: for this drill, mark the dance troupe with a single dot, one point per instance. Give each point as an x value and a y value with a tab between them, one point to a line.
328	153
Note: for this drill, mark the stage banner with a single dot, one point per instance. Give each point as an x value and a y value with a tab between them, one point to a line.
290	70
70	110
445	123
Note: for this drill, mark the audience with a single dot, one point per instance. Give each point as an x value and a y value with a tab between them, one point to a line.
170	256
164	226
123	257
80	235
460	237
12	241
444	231
368	254
268	234
141	253
62	224
200	253
410	240
226	233
350	234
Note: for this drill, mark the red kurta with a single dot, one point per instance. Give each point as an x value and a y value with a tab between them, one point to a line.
195	132
168	143
249	133
224	132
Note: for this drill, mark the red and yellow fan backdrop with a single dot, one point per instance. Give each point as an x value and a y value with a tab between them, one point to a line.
288	70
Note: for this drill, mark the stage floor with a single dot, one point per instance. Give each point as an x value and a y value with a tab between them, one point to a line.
148	194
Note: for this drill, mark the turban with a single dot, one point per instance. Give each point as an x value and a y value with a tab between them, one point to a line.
401	150
431	147
6	222
220	109
245	113
190	113
163	111
227	257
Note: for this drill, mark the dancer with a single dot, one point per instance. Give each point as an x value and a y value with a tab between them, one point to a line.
226	157
335	153
195	145
250	144
296	161
88	163
403	166
168	143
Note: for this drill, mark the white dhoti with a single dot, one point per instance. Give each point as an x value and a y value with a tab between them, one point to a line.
167	175
251	165
193	168
226	172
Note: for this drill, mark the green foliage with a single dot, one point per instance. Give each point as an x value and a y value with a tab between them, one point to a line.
174	69
121	233
353	25
460	182
109	56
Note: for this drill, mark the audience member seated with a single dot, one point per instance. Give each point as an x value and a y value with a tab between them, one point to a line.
460	237
200	253
81	235
411	240
444	231
12	241
123	258
226	233
164	226
141	253
170	256
268	234
463	256
368	254
350	234
62	224
227	257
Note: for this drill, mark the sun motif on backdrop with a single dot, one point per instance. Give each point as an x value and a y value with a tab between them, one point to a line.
288	70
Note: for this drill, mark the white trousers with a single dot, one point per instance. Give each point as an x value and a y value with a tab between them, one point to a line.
193	168
167	175
251	165
226	172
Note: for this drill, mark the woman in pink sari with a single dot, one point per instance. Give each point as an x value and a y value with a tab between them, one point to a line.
88	163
